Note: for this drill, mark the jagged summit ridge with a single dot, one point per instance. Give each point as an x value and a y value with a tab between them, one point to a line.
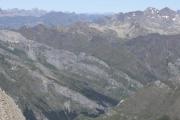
139	23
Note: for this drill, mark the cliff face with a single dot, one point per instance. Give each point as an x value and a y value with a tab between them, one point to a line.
8	109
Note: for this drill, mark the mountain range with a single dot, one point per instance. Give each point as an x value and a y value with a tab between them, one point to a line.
68	66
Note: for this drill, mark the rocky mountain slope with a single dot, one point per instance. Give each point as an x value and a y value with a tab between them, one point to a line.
85	66
160	53
8	109
156	101
141	60
63	83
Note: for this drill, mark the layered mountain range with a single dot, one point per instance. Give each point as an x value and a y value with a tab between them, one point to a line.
67	66
21	12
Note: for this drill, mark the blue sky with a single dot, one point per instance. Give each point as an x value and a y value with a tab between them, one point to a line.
90	6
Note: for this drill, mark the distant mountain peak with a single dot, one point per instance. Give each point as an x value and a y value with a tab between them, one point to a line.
167	11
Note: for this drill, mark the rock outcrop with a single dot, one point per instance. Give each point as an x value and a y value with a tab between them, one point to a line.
8	109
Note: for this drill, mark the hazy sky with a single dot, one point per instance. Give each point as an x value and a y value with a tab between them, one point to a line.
90	6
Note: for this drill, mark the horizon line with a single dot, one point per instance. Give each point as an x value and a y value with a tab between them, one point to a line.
107	12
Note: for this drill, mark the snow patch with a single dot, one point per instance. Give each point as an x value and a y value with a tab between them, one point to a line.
174	19
166	17
134	14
